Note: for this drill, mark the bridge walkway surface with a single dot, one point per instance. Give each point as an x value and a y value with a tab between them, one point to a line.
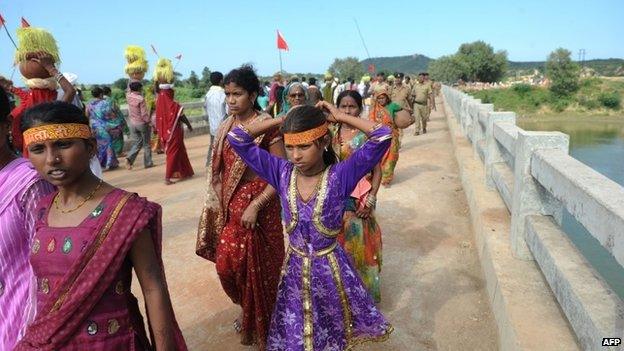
433	290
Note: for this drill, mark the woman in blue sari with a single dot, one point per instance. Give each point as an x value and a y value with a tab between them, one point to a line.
106	127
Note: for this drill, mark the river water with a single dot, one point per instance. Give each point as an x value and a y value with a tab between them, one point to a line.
599	145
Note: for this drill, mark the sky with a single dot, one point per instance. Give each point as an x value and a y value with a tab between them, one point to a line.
224	34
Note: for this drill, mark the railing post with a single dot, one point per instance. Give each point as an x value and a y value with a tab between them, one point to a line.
478	132
463	115
473	111
529	197
493	153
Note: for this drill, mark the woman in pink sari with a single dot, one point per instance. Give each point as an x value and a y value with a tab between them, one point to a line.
20	190
88	238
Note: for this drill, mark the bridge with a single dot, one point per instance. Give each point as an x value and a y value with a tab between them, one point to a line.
474	254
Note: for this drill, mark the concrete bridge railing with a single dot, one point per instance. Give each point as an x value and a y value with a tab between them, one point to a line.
537	179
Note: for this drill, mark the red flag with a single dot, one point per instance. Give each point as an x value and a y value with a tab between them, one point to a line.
1	20
281	42
154	49
25	23
179	57
371	68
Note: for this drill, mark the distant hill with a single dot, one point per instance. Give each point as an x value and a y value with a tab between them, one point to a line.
417	63
603	67
407	64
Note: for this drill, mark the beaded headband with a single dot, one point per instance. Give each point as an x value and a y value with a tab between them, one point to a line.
305	137
56	131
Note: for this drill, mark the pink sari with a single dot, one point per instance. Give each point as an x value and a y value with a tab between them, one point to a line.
69	302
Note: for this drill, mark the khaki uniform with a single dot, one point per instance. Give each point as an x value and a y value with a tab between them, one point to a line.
420	97
402	96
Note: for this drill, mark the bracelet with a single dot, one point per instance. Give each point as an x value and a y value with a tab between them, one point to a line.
59	76
371	201
261	201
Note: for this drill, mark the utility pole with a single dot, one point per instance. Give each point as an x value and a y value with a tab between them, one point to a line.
581	57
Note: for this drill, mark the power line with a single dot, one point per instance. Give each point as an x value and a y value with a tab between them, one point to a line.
361	37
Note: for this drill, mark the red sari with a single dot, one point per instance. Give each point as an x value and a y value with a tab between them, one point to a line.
168	113
248	261
84	275
28	98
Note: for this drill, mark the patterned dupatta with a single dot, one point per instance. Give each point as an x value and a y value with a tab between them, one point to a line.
219	191
86	281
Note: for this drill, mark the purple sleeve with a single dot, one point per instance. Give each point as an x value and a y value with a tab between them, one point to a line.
267	166
364	159
30	200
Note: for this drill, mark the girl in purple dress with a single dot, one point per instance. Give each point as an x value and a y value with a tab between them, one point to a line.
321	302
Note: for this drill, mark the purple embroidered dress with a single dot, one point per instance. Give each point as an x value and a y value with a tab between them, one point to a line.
321	302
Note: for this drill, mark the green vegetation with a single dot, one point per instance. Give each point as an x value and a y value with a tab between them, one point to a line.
348	67
474	62
563	73
595	96
410	64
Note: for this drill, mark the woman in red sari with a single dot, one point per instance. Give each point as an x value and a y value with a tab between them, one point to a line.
169	119
240	228
88	238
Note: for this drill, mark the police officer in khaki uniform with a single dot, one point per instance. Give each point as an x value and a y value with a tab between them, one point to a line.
401	94
421	96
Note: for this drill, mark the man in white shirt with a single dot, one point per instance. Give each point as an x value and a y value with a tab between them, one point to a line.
215	106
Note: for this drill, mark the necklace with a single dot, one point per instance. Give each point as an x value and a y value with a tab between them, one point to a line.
56	205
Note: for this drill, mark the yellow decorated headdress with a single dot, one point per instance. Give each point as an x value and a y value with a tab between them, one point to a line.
33	39
135	55
164	70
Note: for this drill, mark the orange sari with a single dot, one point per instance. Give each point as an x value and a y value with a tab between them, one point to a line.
385	115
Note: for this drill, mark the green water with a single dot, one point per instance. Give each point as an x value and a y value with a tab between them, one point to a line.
599	145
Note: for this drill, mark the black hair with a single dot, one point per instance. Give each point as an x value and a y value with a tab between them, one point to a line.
106	90
246	78
216	78
312	81
5	106
399	75
303	79
381	74
136	86
52	113
97	92
353	94
304	117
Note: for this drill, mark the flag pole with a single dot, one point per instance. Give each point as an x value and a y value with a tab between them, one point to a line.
280	57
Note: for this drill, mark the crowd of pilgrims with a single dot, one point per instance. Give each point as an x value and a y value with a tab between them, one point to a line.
296	158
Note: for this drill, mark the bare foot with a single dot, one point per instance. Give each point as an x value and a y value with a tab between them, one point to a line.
128	165
168	182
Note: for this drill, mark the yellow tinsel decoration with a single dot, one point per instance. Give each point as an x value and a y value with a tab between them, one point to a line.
33	39
135	55
164	70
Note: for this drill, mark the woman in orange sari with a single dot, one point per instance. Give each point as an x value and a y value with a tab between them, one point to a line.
384	111
240	228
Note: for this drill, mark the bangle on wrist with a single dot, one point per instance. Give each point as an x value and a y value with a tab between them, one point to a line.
58	76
